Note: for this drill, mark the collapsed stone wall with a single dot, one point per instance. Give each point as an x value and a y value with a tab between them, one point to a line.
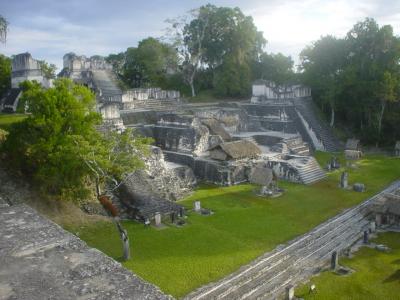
162	179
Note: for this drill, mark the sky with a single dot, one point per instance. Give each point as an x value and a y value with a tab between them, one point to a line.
50	28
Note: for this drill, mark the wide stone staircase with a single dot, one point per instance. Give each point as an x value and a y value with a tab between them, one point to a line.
105	83
307	110
297	146
311	171
156	104
269	275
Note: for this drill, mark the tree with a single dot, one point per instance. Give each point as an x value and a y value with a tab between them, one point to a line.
59	147
5	74
275	67
187	35
322	64
388	92
48	70
3	29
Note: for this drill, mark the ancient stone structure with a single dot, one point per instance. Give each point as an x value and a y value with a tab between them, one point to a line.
96	73
353	149
397	149
264	90
40	260
150	98
344	180
24	67
235	150
386	210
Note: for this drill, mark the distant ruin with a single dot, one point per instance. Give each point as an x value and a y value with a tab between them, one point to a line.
23	67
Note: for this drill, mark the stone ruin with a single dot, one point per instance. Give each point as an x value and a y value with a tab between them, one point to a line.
386	210
397	149
219	143
353	149
23	67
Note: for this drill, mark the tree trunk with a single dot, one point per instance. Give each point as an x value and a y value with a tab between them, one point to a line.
332	116
380	118
192	87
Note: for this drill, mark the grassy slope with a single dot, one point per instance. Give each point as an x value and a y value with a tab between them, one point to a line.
243	227
377	275
7	119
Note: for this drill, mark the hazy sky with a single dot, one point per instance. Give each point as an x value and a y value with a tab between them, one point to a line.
50	28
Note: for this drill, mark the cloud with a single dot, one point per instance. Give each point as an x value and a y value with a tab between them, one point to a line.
49	29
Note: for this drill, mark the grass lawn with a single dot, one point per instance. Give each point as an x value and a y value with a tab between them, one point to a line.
243	227
7	119
377	275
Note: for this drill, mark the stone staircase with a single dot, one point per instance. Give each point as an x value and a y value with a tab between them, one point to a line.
269	275
156	104
297	146
311	172
105	83
306	108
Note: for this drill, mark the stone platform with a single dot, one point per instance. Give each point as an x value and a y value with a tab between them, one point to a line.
39	260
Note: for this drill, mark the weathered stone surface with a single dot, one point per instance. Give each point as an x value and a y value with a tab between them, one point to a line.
39	260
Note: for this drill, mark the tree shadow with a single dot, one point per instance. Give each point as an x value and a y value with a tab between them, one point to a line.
394	277
396	262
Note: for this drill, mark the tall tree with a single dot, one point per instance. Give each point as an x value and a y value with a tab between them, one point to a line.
322	64
5	74
3	29
274	67
187	35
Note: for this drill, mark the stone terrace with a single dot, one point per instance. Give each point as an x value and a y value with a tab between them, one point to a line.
39	260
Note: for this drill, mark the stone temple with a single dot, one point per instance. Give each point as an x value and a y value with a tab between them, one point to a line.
23	67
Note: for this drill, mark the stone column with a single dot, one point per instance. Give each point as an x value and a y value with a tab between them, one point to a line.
289	292
378	220
334	260
365	237
197	206
344	180
372	226
157	219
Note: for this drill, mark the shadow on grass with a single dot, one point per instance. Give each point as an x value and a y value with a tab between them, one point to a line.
394	277
396	262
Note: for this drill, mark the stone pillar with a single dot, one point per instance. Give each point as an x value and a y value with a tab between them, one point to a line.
289	292
173	217
365	238
157	219
181	212
378	220
344	180
372	226
334	260
197	206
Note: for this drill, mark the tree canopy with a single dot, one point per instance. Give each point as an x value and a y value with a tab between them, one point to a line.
58	144
358	77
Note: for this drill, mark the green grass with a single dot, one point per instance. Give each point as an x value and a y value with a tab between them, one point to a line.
243	227
7	119
377	275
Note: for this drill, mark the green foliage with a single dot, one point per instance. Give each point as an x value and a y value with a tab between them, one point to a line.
150	64
358	78
48	70
242	227
5	74
232	78
274	67
376	274
52	143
